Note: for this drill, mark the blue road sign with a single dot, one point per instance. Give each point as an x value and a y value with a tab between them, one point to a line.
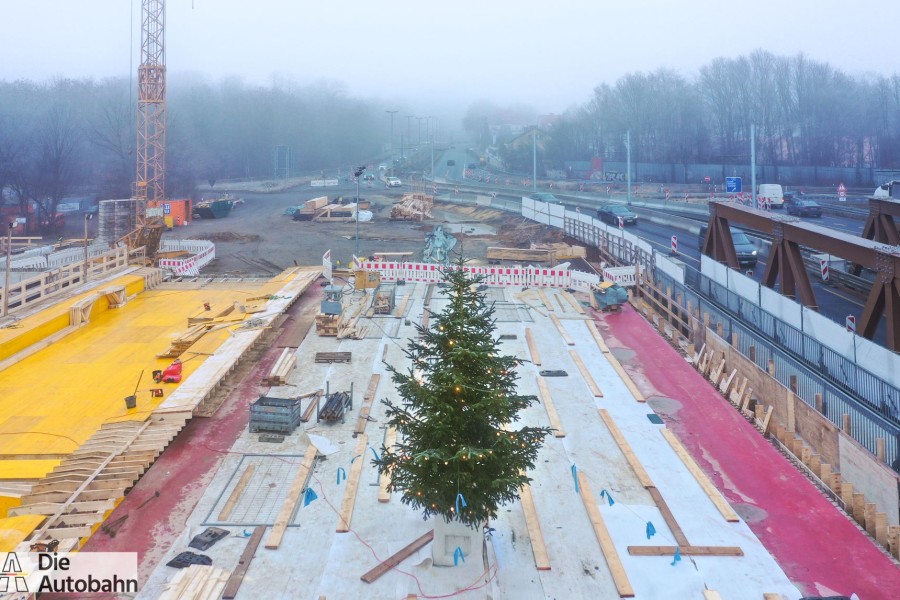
733	185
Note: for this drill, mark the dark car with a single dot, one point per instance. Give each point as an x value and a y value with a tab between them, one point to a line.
804	208
612	212
746	251
451	163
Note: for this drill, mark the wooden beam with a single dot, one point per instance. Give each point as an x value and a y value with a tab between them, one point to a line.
625	448
620	577
547	401
711	595
571	300
562	330
363	419
668	517
595	389
359	457
532	347
541	558
287	507
235	494
390	438
714	495
544	299
598	339
237	576
685	550
402	308
398	557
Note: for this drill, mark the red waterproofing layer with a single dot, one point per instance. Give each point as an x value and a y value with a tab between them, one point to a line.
819	548
183	472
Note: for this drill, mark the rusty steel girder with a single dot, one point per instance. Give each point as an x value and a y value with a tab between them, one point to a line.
785	263
880	225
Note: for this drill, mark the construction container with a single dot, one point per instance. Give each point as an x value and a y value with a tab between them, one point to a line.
176	213
116	219
281	415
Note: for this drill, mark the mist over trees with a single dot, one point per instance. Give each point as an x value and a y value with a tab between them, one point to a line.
805	112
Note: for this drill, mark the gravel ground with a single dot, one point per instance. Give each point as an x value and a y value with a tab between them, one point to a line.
257	239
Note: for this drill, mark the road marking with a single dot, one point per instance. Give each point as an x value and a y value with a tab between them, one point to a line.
841	296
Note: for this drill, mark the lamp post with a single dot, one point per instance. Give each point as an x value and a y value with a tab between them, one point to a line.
6	283
391	144
358	173
87	217
628	168
409	119
534	159
420	129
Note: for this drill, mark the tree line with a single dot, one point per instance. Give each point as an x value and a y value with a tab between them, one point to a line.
65	136
805	112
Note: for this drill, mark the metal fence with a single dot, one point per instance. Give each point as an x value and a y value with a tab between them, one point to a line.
845	387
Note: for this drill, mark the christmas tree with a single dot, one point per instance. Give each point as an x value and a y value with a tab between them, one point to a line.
456	457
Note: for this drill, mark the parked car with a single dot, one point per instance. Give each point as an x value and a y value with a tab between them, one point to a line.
545	197
746	251
392	182
612	212
451	163
804	208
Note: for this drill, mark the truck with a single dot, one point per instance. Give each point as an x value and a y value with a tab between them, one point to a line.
772	193
891	189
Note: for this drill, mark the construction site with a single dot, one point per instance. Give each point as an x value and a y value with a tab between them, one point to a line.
224	430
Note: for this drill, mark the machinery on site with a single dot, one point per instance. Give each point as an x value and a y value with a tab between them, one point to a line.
608	295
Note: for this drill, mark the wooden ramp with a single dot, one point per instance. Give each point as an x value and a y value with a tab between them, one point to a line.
78	494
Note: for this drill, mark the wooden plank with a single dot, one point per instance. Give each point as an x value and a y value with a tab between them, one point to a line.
401	310
636	465
714	495
235	494
390	438
544	299
311	407
685	550
547	401
398	557
623	374
595	389
772	596
541	558
359	457
363	419
290	501
620	577
711	595
237	576
562	330
532	347
668	517
571	300
598	339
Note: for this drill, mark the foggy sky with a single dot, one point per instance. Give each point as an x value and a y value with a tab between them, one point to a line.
549	55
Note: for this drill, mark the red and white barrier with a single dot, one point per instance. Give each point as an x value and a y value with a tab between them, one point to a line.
495	276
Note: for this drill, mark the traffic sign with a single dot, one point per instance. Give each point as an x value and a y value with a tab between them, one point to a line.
851	323
823	268
667	193
707	179
842	192
733	185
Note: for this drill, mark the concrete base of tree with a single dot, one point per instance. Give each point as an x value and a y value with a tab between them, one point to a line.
450	536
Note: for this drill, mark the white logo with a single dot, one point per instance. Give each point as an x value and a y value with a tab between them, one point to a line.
12	577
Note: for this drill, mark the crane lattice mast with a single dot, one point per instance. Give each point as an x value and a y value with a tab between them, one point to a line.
150	183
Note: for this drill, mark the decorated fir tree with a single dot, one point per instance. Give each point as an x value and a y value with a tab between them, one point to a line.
455	457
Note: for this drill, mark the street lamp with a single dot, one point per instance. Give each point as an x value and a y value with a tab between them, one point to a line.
87	217
358	173
627	141
391	144
8	258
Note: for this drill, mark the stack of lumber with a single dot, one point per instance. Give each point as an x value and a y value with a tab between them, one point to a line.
179	345
413	207
347	326
561	251
327	325
281	369
520	254
196	582
207	316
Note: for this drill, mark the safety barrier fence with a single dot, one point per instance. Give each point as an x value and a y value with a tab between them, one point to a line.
202	252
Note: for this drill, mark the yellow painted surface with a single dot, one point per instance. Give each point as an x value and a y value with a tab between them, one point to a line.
52	401
14	530
34	328
8	502
26	469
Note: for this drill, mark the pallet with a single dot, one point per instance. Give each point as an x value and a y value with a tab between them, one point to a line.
333	357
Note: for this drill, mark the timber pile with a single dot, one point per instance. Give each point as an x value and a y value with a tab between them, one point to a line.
207	315
327	325
281	368
413	207
561	251
383	302
78	494
196	582
347	326
522	254
179	345
336	404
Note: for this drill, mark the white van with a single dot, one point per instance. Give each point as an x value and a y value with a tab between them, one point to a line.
891	189
772	192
